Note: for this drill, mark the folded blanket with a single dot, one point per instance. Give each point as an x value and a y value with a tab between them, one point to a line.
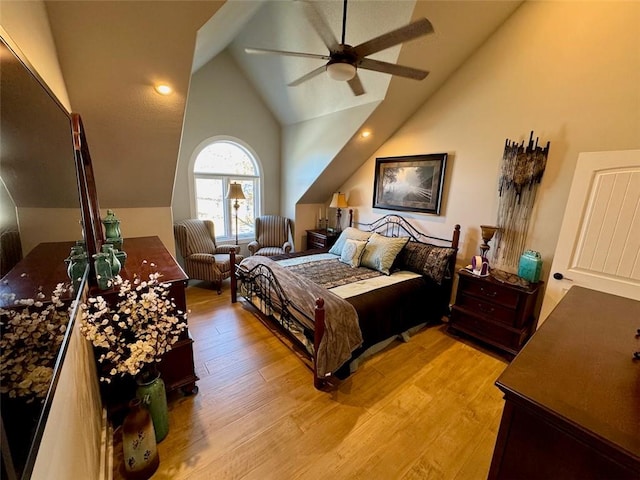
342	334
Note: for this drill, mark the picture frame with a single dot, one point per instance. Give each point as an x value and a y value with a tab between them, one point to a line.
410	183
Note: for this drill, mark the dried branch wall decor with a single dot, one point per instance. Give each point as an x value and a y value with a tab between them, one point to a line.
520	174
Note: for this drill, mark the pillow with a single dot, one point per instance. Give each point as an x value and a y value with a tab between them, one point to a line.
429	260
352	252
348	233
381	251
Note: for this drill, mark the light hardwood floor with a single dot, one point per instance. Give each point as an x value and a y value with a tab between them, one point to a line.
423	409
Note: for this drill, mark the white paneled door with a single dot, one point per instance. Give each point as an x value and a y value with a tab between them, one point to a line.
599	242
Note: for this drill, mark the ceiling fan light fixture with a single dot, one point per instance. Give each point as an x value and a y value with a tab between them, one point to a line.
341	71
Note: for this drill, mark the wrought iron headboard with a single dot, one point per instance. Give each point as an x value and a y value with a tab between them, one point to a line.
397	226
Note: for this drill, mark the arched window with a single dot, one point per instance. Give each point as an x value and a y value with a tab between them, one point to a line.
216	166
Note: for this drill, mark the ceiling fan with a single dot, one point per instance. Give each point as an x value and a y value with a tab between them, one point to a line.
344	60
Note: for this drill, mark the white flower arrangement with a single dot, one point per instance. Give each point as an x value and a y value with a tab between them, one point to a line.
32	333
135	332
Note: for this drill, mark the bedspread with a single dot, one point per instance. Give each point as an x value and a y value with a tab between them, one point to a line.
342	334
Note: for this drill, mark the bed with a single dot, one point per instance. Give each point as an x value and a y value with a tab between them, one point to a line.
378	282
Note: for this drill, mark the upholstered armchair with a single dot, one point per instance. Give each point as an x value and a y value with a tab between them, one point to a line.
273	236
203	259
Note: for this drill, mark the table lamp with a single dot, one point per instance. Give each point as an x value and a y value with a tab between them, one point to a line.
338	201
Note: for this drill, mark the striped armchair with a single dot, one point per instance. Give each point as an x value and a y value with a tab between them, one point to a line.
203	259
273	236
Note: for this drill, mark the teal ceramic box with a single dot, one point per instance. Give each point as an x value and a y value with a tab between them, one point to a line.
530	266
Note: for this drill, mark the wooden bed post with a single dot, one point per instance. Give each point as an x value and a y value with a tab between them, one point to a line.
456	237
233	280
318	382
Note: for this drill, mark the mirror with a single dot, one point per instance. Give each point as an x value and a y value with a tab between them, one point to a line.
40	217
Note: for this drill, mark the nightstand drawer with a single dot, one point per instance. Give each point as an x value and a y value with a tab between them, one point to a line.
313	242
505	296
320	239
507	338
497	313
487	308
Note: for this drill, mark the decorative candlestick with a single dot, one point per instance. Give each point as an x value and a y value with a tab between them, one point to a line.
487	234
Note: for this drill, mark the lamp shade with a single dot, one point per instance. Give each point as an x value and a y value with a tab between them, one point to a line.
341	71
235	191
339	200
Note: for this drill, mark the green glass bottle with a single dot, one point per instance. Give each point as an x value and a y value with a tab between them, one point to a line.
103	270
113	259
530	266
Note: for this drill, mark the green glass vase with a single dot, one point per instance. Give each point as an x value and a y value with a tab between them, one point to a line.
150	390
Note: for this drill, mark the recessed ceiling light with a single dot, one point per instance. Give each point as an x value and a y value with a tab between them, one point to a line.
365	134
163	89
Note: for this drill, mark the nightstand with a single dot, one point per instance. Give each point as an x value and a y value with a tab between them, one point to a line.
497	313
320	239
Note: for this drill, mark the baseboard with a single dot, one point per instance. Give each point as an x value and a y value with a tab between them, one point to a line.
106	448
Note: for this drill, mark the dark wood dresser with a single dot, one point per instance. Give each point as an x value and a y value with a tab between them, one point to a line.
497	313
572	395
177	366
320	239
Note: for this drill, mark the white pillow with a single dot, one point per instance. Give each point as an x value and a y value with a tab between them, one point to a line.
381	251
348	233
352	252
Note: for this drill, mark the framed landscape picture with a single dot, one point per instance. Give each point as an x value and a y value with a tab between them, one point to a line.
412	183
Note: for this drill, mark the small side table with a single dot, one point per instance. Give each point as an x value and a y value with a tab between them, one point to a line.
497	313
320	239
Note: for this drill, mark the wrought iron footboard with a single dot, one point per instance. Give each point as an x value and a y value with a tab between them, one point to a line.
261	288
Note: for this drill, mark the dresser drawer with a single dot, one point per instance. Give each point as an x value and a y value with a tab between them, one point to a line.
488	308
506	338
505	296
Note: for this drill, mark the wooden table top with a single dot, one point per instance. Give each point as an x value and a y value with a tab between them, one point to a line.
579	367
153	251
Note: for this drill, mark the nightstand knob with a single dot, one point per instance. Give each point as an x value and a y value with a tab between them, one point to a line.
492	293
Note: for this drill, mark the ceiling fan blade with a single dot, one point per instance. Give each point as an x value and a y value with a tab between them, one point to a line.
308	76
356	86
392	68
266	51
320	25
390	39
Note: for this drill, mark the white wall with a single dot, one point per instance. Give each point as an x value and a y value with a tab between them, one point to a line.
222	102
569	71
145	222
70	446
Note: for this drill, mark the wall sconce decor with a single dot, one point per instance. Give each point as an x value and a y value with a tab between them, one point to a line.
520	174
338	201
235	193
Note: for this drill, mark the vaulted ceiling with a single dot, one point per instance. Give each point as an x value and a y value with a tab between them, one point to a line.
112	52
460	27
